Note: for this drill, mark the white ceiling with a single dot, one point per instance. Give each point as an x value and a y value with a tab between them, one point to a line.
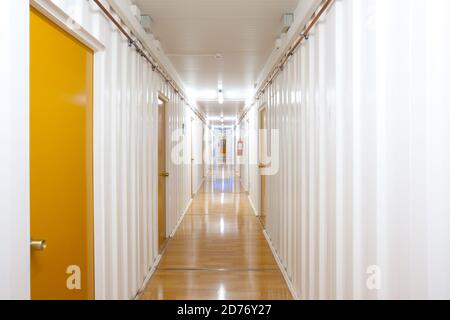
228	110
192	32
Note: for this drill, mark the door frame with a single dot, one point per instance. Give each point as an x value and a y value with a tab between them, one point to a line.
247	130
192	156
262	179
63	20
235	141
162	97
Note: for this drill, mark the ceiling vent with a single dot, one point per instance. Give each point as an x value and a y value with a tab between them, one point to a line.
278	43
146	23
136	11
157	45
287	21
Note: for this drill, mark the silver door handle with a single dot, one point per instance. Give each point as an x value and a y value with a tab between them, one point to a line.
38	245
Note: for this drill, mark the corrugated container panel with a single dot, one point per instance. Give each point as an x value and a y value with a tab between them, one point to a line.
125	157
361	194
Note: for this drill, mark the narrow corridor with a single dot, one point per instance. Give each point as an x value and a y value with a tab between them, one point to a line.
219	251
224	149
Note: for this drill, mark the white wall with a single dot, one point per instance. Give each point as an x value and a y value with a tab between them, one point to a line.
14	154
197	153
244	160
208	151
126	172
125	158
254	179
125	152
239	158
362	110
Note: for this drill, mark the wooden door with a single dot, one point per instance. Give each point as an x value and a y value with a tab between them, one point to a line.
61	215
262	165
163	175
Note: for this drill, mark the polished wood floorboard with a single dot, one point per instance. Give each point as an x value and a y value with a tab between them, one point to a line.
219	251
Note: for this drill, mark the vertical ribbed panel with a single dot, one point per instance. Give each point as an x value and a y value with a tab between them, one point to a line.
197	144
125	158
14	153
243	160
362	109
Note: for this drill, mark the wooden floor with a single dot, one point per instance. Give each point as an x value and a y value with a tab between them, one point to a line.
219	252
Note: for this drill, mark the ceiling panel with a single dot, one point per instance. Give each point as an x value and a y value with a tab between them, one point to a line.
193	32
229	110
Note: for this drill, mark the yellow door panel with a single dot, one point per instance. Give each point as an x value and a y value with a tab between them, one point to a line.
61	90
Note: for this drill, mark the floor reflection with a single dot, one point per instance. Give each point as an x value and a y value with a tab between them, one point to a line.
219	251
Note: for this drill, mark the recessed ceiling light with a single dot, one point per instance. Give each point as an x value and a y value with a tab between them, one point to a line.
220	96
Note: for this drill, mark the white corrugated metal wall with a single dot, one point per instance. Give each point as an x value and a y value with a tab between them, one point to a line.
362	110
125	157
14	151
244	160
197	153
374	193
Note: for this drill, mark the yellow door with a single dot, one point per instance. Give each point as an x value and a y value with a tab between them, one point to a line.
61	84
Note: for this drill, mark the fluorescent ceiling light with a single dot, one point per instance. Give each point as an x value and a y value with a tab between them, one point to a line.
220	96
222	119
235	95
202	95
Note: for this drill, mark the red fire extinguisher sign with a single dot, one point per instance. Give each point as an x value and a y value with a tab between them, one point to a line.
240	148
